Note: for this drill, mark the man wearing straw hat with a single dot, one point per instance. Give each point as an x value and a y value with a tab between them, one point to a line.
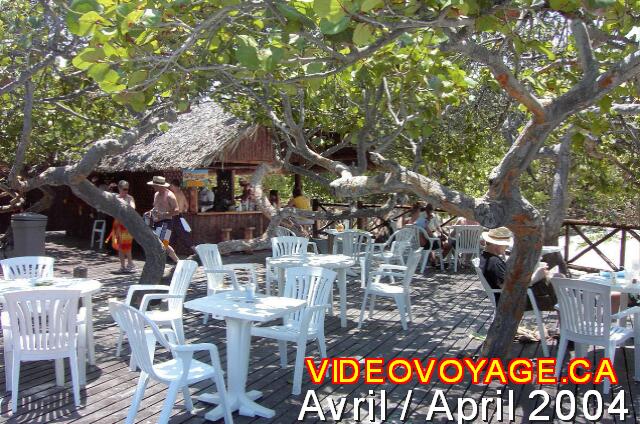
165	207
494	268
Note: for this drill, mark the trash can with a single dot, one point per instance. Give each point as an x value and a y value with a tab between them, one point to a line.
28	234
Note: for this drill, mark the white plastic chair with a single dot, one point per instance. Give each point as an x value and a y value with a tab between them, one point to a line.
427	252
172	372
216	271
283	246
27	267
467	239
585	311
99	229
358	246
175	294
307	324
44	325
389	251
491	292
401	293
285	232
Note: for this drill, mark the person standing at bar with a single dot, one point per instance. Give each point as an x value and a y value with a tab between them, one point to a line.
182	231
165	207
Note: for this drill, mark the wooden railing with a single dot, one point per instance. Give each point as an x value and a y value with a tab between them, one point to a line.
577	226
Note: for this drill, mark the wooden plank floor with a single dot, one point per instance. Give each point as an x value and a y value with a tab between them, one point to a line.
449	309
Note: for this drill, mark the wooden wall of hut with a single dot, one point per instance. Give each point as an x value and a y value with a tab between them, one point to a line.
207	228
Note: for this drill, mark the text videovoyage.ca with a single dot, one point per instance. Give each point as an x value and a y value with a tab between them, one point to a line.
440	406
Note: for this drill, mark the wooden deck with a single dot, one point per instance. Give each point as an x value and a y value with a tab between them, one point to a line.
448	310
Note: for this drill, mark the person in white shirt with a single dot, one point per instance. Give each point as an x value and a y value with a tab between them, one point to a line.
206	199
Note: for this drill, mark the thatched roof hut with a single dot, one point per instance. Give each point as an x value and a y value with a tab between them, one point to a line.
205	135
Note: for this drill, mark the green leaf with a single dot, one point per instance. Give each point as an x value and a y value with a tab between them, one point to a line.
102	72
362	34
247	52
88	23
87	57
324	8
164	126
135	99
368	5
136	78
565	5
600	4
273	57
331	28
76	10
151	17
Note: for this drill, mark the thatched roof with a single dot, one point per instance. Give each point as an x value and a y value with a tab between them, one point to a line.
205	134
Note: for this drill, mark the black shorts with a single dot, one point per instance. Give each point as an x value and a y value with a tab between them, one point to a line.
432	245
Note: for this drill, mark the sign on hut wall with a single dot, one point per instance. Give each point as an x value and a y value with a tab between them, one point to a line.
198	177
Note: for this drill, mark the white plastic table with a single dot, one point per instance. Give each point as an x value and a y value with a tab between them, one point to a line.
239	314
550	249
338	263
625	288
87	287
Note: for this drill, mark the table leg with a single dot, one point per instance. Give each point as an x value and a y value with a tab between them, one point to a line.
280	281
636	345
91	346
238	346
342	288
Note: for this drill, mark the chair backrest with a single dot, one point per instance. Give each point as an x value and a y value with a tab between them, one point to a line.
284	232
485	284
43	321
312	284
210	257
352	243
134	323
412	262
468	238
27	267
180	281
288	245
401	249
585	307
407	234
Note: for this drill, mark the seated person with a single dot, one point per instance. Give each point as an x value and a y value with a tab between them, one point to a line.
493	268
300	201
206	198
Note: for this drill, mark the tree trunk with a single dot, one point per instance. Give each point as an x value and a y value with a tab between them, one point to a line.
559	192
108	203
513	300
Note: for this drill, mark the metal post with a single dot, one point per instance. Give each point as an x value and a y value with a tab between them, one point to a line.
315	206
566	243
623	247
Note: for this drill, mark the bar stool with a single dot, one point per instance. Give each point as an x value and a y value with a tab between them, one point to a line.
99	227
226	234
248	233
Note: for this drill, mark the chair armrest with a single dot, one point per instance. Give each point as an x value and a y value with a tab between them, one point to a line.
393	267
386	274
185	354
308	314
629	311
314	247
142	287
156	296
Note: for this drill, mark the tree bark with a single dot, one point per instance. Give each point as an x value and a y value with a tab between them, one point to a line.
108	203
559	191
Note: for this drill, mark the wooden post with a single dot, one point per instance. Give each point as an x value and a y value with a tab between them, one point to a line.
566	243
623	247
361	222
297	181
315	206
